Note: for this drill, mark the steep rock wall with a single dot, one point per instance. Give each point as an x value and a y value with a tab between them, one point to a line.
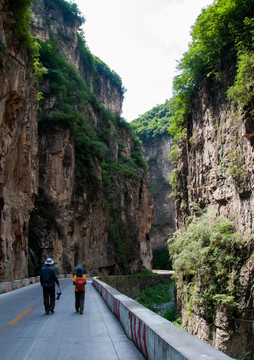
73	227
156	152
219	161
216	169
18	148
77	219
49	22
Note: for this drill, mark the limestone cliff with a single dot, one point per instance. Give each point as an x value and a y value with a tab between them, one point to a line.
74	187
93	208
18	147
156	152
49	21
216	169
152	130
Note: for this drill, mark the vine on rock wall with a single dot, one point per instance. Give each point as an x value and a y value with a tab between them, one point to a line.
207	257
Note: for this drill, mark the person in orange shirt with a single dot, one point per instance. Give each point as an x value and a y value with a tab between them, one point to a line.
79	280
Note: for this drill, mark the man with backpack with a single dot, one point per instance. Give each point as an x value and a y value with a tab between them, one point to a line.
48	279
79	280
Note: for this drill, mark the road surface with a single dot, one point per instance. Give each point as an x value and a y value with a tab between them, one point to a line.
26	333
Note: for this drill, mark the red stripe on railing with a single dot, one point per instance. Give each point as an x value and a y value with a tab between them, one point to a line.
116	308
144	340
138	334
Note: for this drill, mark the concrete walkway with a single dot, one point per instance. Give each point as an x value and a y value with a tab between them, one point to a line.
27	333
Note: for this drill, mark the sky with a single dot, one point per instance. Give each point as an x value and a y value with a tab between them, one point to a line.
141	40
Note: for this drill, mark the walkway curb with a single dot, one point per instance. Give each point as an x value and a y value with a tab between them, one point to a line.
17	284
156	337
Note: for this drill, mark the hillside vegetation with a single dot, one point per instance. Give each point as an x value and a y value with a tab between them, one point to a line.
209	253
222	42
154	122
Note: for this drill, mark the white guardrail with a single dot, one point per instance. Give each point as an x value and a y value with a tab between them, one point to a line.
156	337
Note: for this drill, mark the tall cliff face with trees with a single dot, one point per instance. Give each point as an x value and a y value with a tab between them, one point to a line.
83	173
213	179
152	130
18	144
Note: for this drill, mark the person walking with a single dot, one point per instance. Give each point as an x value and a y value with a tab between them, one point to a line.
79	280
48	279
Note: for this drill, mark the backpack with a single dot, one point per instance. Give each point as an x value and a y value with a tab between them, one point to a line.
80	285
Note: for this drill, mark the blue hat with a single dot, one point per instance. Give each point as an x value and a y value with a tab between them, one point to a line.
79	271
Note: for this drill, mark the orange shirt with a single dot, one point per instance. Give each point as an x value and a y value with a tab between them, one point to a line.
74	280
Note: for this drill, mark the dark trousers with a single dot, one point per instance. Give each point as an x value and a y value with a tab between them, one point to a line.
49	298
79	301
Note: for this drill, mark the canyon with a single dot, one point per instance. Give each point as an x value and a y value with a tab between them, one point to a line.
74	184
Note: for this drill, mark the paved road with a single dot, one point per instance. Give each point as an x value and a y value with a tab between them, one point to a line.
26	333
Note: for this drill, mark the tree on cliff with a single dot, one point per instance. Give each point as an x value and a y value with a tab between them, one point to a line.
154	122
222	41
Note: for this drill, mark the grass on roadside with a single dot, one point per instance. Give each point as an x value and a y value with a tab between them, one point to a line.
159	299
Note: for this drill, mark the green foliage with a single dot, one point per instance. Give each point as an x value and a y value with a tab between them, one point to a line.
242	90
124	172
175	153
117	236
22	12
179	108
153	123
233	165
39	69
173	180
86	55
222	41
124	167
121	233
155	297
161	260
222	33
69	11
87	145
170	314
103	69
97	66
207	255
139	159
63	81
70	94
145	272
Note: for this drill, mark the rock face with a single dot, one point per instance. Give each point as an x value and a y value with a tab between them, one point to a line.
219	161
77	232
156	152
18	148
216	169
77	219
96	214
48	21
